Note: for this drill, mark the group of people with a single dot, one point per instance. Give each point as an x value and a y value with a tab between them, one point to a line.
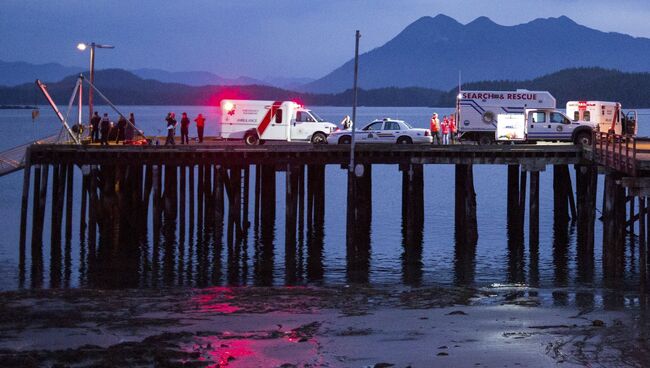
102	127
185	131
444	132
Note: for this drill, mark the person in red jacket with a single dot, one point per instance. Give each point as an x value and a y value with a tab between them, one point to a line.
452	129
200	124
435	129
445	130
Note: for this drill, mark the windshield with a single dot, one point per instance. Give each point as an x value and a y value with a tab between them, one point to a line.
318	118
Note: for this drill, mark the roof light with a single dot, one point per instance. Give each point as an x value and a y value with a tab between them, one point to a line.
228	106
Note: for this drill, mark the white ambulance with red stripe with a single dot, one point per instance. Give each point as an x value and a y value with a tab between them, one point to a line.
258	121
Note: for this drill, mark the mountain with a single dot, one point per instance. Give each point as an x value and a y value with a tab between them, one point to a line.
431	51
193	78
15	73
125	88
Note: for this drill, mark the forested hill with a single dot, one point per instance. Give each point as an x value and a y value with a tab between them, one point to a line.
631	89
125	88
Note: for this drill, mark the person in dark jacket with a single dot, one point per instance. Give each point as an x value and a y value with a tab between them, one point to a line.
171	126
121	129
200	124
94	125
130	128
185	132
104	128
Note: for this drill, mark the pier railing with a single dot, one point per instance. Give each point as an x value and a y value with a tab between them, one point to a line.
615	151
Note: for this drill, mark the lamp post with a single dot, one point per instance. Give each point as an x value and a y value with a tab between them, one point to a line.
82	47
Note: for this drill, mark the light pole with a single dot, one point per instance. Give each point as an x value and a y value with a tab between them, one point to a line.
81	47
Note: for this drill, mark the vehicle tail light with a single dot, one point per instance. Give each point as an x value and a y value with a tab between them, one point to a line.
426	133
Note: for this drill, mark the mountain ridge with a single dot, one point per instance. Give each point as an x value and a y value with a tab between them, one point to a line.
431	51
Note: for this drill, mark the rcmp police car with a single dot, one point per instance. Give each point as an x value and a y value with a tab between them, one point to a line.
383	131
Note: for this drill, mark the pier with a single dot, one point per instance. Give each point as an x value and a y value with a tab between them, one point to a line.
209	187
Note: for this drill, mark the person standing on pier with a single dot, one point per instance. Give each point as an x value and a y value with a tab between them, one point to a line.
94	126
185	129
200	124
452	129
435	129
445	130
171	126
105	127
130	128
121	129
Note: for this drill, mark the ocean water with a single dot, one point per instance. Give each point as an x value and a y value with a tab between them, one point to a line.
442	263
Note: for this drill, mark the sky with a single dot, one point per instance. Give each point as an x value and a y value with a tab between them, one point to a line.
259	38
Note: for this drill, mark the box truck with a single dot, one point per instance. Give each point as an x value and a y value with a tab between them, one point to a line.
478	110
255	122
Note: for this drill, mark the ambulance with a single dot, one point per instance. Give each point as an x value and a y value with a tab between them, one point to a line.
255	122
603	113
477	111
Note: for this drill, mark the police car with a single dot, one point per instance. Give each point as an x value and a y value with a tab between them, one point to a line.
383	131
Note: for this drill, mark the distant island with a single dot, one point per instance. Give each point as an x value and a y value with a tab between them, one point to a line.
125	88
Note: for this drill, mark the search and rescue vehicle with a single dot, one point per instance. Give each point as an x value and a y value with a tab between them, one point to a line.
478	110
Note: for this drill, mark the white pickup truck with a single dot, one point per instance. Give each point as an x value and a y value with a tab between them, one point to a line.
543	125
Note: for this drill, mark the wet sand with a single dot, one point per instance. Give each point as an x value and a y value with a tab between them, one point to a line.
310	327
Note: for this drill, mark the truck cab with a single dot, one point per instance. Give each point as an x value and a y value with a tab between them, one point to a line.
554	125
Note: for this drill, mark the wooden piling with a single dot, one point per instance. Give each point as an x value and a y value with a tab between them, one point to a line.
359	216
643	262
291	203
412	223
513	193
522	199
613	228
24	204
533	209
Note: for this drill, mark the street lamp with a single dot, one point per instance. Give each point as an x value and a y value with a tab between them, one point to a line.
82	47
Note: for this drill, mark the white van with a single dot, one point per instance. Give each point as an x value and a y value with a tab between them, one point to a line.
259	121
602	113
478	110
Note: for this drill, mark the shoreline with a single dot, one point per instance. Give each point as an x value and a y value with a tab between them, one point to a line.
309	326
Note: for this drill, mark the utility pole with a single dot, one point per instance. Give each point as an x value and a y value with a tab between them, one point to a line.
354	99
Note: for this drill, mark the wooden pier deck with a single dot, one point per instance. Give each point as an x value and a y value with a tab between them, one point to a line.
307	154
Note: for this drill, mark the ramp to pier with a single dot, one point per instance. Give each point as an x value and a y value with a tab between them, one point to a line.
14	159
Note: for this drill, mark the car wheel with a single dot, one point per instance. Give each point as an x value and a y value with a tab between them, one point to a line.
404	140
251	139
346	139
319	138
583	138
485	140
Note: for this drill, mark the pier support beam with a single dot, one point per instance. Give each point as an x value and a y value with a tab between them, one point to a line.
412	222
315	221
359	215
465	205
613	228
292	175
586	190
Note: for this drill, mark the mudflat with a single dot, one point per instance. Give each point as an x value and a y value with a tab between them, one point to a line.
346	326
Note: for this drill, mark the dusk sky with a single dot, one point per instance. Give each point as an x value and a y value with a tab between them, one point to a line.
259	38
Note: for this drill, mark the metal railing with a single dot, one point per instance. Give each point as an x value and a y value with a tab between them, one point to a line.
615	151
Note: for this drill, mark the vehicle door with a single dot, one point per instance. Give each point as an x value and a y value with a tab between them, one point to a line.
370	133
560	126
390	132
538	127
301	127
276	128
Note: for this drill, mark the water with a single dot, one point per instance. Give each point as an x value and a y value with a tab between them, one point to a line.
559	264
